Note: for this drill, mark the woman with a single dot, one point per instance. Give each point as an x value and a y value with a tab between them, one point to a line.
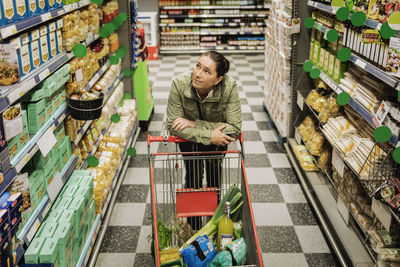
204	108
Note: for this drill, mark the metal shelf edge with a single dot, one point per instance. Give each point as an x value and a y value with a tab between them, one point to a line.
53	121
89	242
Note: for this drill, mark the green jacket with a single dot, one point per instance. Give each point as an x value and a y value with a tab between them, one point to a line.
222	107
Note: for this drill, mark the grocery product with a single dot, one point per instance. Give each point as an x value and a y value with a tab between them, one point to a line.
305	159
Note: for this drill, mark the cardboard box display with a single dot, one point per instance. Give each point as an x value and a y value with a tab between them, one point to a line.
70	217
64	203
64	234
71	190
31	255
8	53
77	205
55	215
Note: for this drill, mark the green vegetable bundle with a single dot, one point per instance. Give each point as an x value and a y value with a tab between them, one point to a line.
234	196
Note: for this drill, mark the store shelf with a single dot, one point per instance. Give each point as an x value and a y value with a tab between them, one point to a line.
323	29
199	24
118	172
10	94
22	25
27	152
374	24
7	180
90	241
214	16
343	239
97	76
381	75
216	7
81	132
355	105
28	231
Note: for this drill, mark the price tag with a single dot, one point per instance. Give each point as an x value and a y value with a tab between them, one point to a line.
31	233
10	30
343	210
382	213
361	63
382	112
27	158
61	119
61	12
297	136
79	75
300	100
46	17
55	187
46	142
44	74
338	163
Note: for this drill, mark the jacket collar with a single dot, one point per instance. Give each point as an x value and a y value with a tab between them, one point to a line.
190	91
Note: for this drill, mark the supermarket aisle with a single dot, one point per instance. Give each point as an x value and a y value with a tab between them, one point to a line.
287	230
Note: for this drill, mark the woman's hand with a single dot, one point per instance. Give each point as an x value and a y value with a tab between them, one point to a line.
220	139
181	123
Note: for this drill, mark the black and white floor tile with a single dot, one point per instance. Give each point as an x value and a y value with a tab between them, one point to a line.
288	232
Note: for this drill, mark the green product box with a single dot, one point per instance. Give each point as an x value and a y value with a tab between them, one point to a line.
35	95
48	174
63	97
64	150
71	191
41	162
81	173
87	181
64	203
36	116
86	193
31	255
55	215
64	234
48	229
49	109
49	252
340	68
77	205
310	55
317	49
13	147
64	70
331	67
60	132
68	216
326	61
77	249
25	119
56	103
75	179
23	137
35	180
321	59
56	165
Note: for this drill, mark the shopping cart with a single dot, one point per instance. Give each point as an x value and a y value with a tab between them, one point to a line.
170	198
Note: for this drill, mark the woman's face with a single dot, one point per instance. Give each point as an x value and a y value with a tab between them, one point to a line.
204	75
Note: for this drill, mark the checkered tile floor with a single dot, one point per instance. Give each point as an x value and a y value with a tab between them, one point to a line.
288	232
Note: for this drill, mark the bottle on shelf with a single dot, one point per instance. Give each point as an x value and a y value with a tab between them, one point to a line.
225	228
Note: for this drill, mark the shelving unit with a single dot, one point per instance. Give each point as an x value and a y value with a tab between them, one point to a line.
345	234
11	94
183	28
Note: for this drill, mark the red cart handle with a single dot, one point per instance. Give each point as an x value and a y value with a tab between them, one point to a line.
175	139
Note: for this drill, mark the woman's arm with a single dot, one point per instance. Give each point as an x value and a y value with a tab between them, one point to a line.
233	116
175	110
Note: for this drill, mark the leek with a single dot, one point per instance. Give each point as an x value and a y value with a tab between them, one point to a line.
232	195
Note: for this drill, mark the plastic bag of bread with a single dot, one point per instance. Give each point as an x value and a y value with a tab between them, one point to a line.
315	143
113	157
305	159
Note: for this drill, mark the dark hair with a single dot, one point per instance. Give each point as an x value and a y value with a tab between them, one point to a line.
220	60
